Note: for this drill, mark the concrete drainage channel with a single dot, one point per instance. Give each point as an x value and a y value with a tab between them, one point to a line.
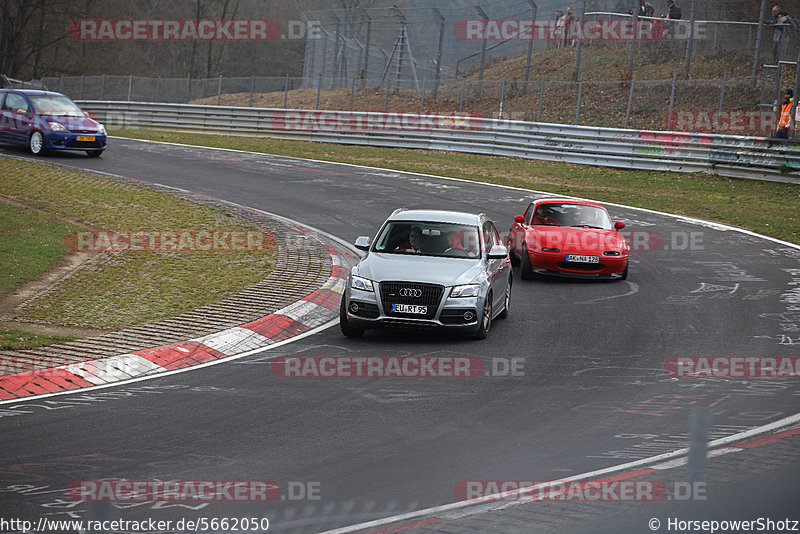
302	292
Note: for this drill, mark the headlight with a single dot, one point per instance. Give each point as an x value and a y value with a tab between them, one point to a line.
469	290
56	127
101	129
361	283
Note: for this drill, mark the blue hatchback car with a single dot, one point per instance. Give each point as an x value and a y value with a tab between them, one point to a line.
47	121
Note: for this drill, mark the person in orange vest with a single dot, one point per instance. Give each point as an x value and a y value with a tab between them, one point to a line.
785	118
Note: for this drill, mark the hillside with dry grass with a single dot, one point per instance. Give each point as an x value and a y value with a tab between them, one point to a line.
604	94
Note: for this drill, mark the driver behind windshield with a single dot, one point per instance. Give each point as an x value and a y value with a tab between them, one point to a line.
414	243
589	217
546	214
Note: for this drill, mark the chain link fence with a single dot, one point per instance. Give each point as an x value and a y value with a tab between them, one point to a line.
398	47
169	90
401	48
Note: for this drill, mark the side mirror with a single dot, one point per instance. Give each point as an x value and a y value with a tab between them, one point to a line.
520	219
619	225
362	243
497	252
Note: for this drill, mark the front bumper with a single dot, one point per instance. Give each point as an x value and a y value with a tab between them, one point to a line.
556	264
366	310
69	141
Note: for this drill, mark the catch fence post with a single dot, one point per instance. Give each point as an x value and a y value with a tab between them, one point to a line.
671	100
630	100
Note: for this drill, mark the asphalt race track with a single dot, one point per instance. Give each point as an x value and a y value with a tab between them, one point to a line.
590	389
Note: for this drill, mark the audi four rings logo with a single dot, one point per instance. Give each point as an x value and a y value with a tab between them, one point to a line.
410	292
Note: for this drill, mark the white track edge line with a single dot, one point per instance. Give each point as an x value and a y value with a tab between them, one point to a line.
786	421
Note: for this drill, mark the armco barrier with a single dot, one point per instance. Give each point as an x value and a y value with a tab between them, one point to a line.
724	155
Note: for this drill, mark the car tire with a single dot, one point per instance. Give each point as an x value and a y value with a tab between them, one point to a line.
36	144
624	273
506	302
94	153
344	325
512	255
526	270
486	318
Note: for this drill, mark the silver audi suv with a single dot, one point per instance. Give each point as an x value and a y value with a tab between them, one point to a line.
429	269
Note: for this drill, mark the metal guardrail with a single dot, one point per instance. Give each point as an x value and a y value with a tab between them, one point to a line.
724	155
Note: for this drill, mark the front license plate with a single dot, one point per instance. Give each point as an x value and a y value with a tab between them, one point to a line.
85	138
577	258
410	308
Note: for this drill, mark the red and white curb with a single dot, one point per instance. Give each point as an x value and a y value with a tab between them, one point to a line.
312	311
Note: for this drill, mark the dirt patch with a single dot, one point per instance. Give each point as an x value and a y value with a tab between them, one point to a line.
29	290
11	201
52	330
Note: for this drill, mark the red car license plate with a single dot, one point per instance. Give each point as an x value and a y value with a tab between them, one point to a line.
578	258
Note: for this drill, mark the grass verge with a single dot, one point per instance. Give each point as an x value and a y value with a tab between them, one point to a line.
768	208
30	243
20	340
112	289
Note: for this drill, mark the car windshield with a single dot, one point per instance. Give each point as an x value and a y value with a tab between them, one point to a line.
55	105
429	239
579	215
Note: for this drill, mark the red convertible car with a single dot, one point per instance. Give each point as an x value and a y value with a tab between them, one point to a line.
573	238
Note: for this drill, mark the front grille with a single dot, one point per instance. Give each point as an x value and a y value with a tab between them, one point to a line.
430	295
84	144
84	131
580	266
